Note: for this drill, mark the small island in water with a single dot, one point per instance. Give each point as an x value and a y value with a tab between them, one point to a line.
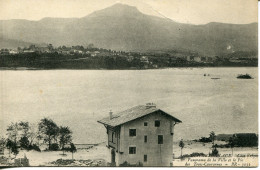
244	76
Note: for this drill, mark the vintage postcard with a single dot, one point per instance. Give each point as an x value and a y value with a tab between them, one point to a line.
129	83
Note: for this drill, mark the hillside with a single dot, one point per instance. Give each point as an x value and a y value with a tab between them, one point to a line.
13	44
123	27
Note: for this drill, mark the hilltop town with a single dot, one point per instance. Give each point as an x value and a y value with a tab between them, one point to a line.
91	57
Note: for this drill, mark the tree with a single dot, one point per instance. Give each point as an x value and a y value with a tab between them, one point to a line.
13	132
181	145
231	143
72	149
12	146
9	145
212	136
50	47
27	134
2	141
33	133
48	130
214	151
24	143
90	46
64	47
64	136
24	128
16	131
2	144
14	149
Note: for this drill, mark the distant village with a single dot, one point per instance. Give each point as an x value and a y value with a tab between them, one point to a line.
111	59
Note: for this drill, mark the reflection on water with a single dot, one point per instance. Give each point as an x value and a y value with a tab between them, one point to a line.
78	98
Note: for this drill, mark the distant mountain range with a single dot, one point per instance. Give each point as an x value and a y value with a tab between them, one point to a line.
123	27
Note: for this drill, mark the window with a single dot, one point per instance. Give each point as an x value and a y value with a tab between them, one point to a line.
145	139
157	123
145	158
132	132
145	124
113	137
160	139
132	150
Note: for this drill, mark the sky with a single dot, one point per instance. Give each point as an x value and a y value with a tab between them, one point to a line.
184	11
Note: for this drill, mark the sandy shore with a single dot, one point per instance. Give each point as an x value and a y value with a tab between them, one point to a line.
99	155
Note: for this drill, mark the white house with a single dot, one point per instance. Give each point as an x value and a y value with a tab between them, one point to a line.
140	135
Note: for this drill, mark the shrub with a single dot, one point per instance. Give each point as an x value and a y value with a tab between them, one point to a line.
222	146
205	140
12	146
245	140
194	154
214	152
54	147
126	164
34	147
66	149
24	143
14	149
63	162
139	164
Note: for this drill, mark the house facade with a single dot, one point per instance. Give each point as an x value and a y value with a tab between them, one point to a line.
2	149
142	135
197	59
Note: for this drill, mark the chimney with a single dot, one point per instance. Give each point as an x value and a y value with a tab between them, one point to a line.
110	115
150	105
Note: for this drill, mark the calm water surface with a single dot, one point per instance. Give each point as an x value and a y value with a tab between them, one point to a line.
78	98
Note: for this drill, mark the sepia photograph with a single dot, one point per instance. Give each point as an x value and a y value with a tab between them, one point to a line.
128	83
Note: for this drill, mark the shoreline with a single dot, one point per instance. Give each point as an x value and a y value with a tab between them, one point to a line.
101	69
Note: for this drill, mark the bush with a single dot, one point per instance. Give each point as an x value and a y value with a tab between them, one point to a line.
222	146
214	152
245	139
24	143
126	164
12	146
63	162
34	147
205	140
139	164
14	149
194	154
54	147
66	149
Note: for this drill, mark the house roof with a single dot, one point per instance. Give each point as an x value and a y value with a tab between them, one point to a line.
132	114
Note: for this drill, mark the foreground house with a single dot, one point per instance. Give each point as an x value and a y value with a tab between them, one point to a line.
142	135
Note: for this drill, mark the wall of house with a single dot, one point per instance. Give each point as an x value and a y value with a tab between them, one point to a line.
114	138
157	154
197	59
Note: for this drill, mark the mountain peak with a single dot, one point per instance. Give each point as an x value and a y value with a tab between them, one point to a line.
121	5
117	9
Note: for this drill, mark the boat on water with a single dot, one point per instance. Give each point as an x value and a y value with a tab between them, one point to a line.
244	76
